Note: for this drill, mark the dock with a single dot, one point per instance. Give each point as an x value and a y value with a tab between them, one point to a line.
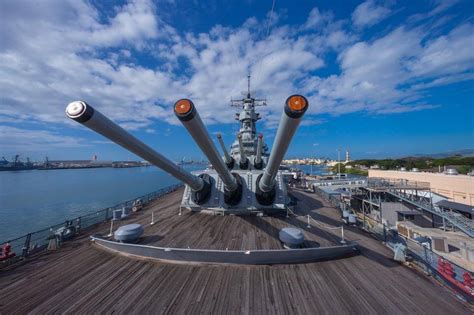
81	278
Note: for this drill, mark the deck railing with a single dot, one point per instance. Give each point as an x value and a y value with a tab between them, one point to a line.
459	279
387	183
37	241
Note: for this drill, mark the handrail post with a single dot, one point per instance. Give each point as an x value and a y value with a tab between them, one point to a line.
26	246
152	217
96	214
111	228
79	224
343	241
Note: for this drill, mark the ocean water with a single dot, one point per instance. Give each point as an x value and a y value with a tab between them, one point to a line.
313	170
36	199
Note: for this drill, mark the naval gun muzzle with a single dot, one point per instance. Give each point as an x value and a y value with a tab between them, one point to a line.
229	160
85	114
295	107
189	117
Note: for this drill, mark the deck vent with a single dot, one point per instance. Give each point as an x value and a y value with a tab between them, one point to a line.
291	237
129	233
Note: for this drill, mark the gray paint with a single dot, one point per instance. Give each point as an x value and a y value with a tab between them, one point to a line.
243	156
251	257
291	237
248	203
258	157
129	232
227	157
286	130
200	135
104	126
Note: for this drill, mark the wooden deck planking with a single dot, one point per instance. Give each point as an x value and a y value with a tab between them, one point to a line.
80	278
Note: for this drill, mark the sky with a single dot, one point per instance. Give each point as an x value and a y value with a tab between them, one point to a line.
383	78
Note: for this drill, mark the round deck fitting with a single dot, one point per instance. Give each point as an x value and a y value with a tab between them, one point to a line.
203	195
129	233
233	197
291	237
264	198
231	163
256	165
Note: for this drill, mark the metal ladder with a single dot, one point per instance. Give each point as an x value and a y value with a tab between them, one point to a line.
457	220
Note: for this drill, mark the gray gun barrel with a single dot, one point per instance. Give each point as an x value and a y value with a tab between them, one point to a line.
228	159
244	163
258	158
295	107
188	115
85	114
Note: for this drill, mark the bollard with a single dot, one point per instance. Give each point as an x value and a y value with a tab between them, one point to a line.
111	228
308	226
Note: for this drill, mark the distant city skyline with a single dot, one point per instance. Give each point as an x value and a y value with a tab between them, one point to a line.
384	79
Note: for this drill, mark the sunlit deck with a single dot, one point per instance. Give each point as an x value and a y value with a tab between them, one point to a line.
81	278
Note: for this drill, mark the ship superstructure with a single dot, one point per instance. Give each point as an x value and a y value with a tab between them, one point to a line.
248	118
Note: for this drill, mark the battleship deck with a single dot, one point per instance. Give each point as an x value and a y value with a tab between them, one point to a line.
81	278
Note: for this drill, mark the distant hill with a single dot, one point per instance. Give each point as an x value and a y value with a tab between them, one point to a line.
463	153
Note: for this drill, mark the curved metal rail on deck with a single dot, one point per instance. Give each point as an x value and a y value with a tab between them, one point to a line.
239	257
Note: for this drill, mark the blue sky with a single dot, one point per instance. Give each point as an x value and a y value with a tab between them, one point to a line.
384	78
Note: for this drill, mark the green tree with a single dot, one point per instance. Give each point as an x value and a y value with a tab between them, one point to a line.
464	169
336	168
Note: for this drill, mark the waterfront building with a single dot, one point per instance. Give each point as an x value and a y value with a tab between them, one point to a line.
458	188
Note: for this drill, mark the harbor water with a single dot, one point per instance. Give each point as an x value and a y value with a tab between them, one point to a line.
36	199
313	169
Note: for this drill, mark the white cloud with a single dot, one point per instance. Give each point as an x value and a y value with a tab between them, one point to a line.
440	6
317	18
389	74
447	55
25	140
60	51
369	13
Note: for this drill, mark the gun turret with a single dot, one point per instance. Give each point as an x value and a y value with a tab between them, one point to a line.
258	164
189	117
85	114
295	107
244	162
229	161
